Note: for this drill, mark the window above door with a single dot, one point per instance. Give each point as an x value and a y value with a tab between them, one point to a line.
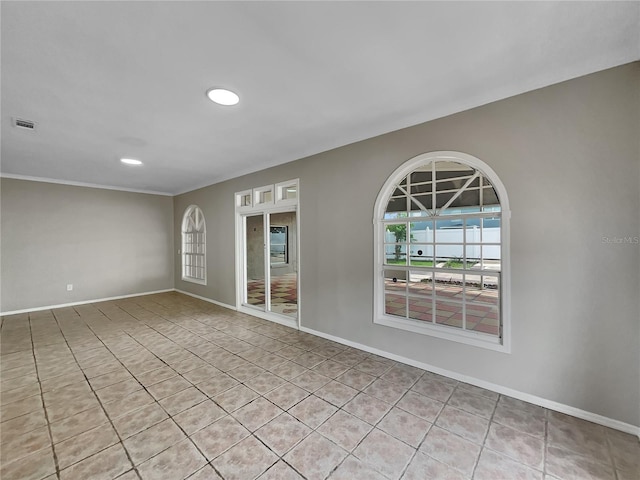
277	195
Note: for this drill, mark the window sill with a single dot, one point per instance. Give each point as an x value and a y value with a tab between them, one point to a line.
194	280
447	333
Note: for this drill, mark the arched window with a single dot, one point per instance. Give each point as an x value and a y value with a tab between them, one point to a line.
442	256
194	265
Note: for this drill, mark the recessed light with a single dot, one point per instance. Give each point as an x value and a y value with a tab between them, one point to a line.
130	161
223	96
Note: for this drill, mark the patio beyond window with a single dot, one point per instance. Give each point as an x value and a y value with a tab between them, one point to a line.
440	250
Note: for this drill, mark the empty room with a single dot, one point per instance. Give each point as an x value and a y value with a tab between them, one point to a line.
320	240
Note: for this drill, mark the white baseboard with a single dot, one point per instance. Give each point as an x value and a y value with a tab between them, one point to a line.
526	397
84	302
200	297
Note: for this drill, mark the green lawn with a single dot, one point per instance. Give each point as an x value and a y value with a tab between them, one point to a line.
454	264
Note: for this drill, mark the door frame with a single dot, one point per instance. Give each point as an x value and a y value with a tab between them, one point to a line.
277	205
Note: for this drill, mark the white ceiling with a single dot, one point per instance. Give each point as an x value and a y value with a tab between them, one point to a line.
110	79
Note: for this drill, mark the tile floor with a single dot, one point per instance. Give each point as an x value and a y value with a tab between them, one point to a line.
170	387
284	293
481	313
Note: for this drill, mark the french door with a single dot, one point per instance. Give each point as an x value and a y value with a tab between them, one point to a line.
269	276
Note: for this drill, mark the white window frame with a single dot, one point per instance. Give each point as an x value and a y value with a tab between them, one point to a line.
281	192
501	343
241	196
278	197
259	193
200	227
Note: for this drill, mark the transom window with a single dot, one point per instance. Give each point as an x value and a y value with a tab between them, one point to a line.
194	266
440	250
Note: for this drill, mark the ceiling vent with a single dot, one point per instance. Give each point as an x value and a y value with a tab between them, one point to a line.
24	124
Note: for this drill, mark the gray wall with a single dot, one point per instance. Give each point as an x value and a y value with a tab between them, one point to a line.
570	160
104	242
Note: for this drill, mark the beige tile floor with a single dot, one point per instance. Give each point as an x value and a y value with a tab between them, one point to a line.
169	387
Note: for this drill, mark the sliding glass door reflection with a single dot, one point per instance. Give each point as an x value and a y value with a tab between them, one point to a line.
283	263
254	261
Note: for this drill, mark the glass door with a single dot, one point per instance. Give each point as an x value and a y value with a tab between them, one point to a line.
283	263
254	247
271	258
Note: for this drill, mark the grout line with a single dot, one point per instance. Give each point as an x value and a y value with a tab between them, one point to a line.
44	408
210	463
483	445
546	441
182	325
94	393
156	401
611	456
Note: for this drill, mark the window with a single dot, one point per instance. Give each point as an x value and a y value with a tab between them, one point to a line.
283	194
194	267
244	200
278	245
263	195
287	191
442	250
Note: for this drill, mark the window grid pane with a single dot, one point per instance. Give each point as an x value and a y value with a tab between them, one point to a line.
193	245
445	257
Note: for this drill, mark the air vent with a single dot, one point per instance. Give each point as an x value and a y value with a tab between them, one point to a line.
24	124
